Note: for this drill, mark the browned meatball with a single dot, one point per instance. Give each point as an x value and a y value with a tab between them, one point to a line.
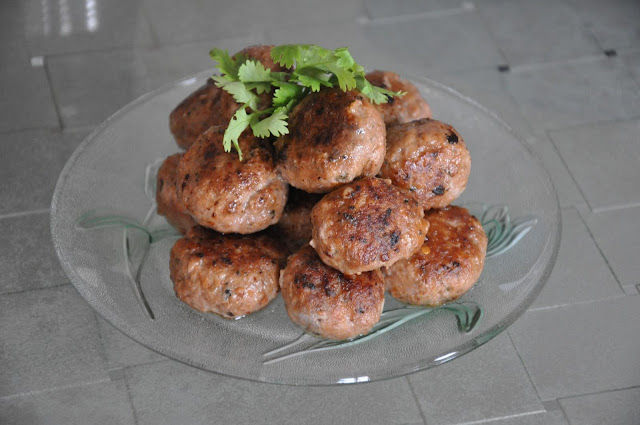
226	194
366	225
447	265
407	108
294	227
334	137
166	198
229	275
429	158
210	106
328	303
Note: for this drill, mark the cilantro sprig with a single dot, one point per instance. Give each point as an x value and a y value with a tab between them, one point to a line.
312	67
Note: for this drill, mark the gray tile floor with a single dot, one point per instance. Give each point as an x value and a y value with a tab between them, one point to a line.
572	90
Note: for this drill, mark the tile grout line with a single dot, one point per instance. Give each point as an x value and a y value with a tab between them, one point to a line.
500	418
606	260
22	291
599	392
415	399
492	37
24	213
54	98
133	407
422	15
618	207
51	389
593	123
553	307
524	366
566	166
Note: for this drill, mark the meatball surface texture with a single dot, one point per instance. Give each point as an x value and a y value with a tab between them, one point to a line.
166	196
334	137
366	225
328	303
226	194
229	275
447	265
429	158
397	110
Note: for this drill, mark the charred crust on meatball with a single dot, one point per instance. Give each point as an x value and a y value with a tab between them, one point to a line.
429	158
334	137
326	302
229	275
446	266
366	225
407	108
226	194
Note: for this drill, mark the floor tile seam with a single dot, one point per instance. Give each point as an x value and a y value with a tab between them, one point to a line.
415	400
526	370
553	63
153	34
566	167
577	303
23	291
593	123
54	388
497	418
602	254
24	213
52	93
492	36
572	396
26	129
422	15
89	49
615	207
134	412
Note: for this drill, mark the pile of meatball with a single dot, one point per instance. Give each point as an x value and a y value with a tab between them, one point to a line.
353	202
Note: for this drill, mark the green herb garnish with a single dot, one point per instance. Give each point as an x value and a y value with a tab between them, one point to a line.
315	67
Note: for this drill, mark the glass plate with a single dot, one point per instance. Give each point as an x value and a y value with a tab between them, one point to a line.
107	172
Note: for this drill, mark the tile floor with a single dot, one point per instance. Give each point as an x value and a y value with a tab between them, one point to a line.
571	87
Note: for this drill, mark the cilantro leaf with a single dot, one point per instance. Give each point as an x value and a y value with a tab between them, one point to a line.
239	122
285	93
345	60
275	124
254	72
287	54
240	92
226	64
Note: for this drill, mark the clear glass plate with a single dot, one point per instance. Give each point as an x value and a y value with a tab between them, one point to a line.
107	172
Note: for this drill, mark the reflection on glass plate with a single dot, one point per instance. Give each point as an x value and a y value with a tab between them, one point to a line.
115	250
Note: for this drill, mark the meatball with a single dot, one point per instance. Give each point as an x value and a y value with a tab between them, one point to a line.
397	110
366	225
229	275
328	303
429	158
334	137
226	194
447	265
210	105
166	198
294	227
